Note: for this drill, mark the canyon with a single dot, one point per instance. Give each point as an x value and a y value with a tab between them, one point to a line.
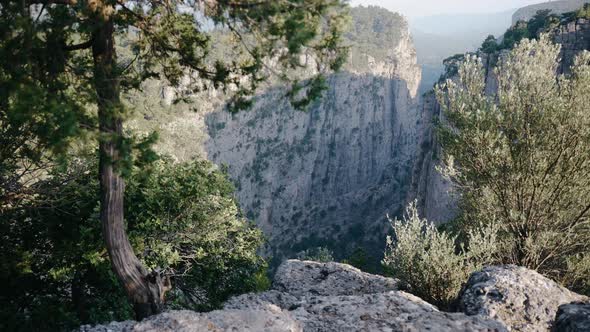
330	176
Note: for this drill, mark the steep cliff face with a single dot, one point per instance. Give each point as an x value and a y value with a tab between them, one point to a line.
329	176
434	194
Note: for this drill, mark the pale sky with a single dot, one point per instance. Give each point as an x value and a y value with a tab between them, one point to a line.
417	8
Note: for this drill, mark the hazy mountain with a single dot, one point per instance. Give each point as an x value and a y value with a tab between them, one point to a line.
433	48
438	37
556	7
468	25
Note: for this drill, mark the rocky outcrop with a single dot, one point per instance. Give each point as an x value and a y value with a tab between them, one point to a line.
520	298
267	319
391	311
311	296
338	297
556	7
304	277
307	297
574	37
573	317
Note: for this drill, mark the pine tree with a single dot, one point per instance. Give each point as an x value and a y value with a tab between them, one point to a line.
61	78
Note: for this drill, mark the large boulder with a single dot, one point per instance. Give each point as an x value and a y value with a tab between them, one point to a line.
573	317
390	311
520	298
338	297
268	319
310	296
312	278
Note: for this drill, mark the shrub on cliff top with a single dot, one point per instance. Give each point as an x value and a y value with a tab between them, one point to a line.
432	264
181	217
521	157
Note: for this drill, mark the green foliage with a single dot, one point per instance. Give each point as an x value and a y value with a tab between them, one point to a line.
532	29
374	31
181	218
34	119
280	30
514	35
361	260
318	254
429	263
60	81
452	65
196	232
54	263
584	12
521	157
541	22
490	45
578	270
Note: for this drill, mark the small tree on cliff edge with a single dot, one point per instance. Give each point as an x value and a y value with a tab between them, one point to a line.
59	59
521	157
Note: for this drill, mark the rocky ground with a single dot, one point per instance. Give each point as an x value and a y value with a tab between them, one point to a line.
311	296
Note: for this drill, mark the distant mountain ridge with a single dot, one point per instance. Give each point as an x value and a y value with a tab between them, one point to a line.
556	7
440	36
476	23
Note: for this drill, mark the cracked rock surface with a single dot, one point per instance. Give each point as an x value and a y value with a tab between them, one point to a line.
520	298
310	296
304	277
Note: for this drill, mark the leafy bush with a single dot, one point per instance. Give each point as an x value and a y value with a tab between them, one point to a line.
430	263
451	65
181	217
490	45
185	220
375	31
319	254
521	157
541	22
584	12
360	259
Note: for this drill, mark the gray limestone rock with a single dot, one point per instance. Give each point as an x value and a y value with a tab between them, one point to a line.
269	319
572	317
304	277
390	311
522	299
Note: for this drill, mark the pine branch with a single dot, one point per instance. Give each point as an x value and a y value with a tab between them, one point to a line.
76	47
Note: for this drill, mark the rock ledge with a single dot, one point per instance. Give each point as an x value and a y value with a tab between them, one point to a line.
522	299
311	296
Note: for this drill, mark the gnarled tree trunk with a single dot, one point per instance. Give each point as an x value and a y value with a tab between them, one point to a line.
146	290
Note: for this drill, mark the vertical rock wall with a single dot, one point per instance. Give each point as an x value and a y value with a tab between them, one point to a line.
328	176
